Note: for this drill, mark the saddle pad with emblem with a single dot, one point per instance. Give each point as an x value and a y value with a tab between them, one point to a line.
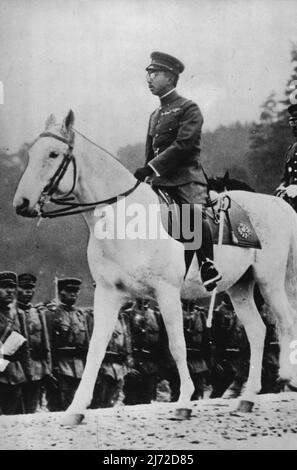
238	229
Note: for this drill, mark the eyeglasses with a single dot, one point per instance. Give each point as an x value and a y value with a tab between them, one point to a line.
152	75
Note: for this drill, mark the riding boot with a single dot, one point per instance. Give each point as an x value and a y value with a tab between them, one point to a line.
209	274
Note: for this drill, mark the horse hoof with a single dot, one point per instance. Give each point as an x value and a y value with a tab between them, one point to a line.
245	406
292	386
182	413
72	419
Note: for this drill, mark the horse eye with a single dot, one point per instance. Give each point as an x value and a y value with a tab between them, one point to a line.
53	155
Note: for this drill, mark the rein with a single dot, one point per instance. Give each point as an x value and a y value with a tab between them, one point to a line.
70	207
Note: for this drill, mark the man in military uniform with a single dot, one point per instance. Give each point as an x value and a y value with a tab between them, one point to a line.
147	332
36	332
116	363
270	365
13	376
198	348
69	343
198	351
173	152
230	352
288	187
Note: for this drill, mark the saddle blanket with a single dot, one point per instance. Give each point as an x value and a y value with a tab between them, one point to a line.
238	229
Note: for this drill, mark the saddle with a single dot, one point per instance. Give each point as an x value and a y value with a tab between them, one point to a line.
238	229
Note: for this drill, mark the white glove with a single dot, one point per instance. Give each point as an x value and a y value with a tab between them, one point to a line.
280	190
291	191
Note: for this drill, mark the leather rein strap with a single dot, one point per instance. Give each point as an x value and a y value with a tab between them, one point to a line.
70	206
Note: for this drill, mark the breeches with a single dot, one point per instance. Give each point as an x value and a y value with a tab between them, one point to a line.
194	193
61	398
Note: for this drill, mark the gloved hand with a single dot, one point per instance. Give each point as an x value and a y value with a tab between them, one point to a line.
280	191
143	172
291	191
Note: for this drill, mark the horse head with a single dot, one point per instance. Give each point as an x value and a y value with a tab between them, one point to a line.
48	171
225	183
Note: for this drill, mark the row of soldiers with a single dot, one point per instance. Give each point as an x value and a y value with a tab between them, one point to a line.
43	350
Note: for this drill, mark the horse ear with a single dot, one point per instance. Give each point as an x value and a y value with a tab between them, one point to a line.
68	122
226	176
51	121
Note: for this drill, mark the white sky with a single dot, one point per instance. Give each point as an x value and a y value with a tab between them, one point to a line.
90	55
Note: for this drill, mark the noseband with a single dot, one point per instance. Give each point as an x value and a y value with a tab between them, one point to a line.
53	184
67	200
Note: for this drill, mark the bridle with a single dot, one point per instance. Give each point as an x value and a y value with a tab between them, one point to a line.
67	200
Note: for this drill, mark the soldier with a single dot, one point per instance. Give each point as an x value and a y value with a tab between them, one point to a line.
173	152
69	342
147	332
270	367
230	352
288	187
198	351
12	374
116	363
36	332
198	348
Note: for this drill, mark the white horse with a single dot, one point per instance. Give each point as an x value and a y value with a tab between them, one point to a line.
149	267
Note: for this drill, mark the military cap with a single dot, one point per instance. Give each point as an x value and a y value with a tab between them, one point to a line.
162	61
68	283
8	278
292	110
27	280
128	305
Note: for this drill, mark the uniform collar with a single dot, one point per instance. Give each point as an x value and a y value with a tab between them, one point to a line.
169	97
67	307
24	306
5	311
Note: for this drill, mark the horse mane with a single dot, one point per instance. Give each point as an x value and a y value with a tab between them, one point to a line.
223	183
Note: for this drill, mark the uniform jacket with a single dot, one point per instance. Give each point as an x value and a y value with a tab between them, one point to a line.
36	332
230	341
173	142
290	173
197	341
119	349
271	346
19	367
148	337
69	337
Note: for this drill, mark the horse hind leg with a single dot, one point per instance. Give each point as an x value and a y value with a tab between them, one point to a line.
278	303
168	298
242	297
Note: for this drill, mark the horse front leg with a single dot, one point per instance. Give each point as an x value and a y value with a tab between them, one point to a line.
243	302
168	298
107	303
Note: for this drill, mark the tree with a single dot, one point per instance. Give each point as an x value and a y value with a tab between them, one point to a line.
271	136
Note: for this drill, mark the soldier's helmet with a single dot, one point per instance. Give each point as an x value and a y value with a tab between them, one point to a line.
69	284
27	280
292	110
8	279
128	306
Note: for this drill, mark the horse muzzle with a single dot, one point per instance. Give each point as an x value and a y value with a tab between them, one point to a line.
24	210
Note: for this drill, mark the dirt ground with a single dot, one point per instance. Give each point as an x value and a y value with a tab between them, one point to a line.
214	425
